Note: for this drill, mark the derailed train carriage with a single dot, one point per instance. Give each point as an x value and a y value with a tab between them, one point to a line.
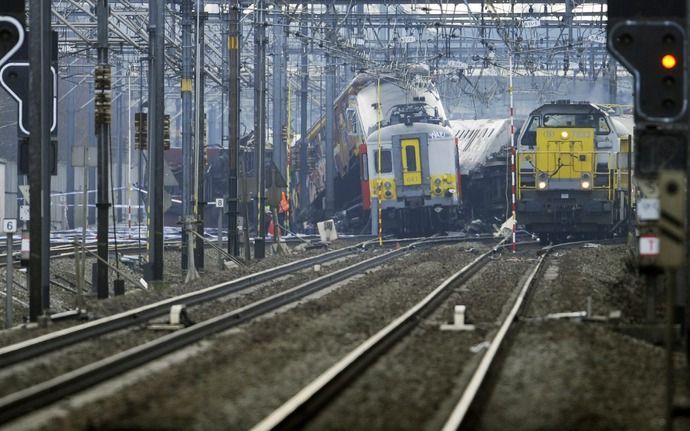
393	147
573	176
483	148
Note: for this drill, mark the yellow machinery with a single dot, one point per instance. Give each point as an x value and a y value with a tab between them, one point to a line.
572	173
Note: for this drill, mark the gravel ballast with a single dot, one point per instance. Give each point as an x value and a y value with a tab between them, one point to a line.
136	296
407	388
580	375
242	376
61	361
558	374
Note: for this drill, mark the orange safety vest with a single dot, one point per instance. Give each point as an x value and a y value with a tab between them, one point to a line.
284	204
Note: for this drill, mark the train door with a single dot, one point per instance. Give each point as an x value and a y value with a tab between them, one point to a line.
411	162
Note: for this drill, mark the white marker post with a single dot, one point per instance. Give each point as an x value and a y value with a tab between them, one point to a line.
220	204
9	227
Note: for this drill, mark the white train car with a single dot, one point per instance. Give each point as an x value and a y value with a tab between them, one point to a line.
483	148
394	148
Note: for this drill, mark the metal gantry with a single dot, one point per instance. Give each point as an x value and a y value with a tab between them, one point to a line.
315	48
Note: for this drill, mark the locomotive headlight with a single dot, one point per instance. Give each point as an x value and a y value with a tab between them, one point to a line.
542	185
543	181
564	134
437	181
387	185
586	181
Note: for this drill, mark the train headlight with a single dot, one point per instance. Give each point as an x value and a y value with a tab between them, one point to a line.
543	181
452	191
437	181
586	181
542	185
564	134
387	185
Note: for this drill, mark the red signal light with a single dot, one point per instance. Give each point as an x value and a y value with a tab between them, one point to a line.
669	61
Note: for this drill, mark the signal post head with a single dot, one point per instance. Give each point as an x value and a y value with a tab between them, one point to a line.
654	51
12	21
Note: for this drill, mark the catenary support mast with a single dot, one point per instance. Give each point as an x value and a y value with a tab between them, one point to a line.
154	271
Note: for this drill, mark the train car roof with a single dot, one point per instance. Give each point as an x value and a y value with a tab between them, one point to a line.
479	141
567	107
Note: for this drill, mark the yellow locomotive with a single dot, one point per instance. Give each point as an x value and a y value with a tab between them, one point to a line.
573	176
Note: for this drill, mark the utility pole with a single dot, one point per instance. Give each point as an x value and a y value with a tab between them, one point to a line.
187	144
303	129
102	90
233	126
330	116
40	109
200	135
260	124
279	84
613	80
154	271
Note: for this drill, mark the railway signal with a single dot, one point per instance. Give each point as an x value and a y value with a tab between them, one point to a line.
649	39
141	127
166	131
654	51
11	28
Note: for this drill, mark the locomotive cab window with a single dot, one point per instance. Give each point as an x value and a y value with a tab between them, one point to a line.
530	137
386	162
603	127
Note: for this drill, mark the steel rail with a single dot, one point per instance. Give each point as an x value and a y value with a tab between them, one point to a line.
64	250
40	395
301	407
459	412
34	347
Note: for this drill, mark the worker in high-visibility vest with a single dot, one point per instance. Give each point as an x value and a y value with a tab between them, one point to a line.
283	209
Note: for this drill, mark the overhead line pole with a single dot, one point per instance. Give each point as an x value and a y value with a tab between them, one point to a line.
200	133
40	104
279	83
304	94
330	116
233	126
260	125
186	87
156	59
102	100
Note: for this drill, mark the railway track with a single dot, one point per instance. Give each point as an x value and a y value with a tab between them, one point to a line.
474	393
67	250
308	403
27	400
